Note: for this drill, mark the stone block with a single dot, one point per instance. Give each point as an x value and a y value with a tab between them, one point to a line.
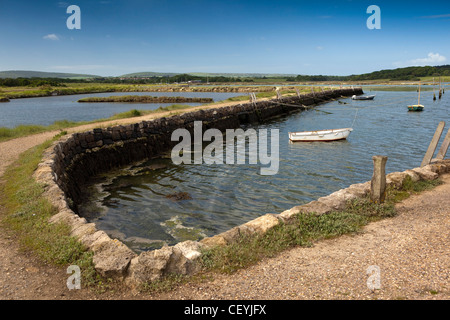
260	225
112	258
426	173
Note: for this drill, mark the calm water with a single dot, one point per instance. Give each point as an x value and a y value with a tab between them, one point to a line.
47	110
132	204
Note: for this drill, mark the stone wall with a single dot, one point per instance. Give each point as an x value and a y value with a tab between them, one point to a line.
67	166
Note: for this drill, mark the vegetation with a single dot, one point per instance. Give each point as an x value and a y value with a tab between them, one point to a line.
27	213
26	130
145	99
40	74
38	79
405	74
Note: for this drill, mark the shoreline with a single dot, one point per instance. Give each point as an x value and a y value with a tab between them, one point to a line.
216	87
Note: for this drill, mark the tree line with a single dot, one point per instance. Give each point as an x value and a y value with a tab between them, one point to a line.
408	73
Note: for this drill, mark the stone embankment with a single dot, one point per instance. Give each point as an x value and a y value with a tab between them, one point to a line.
69	164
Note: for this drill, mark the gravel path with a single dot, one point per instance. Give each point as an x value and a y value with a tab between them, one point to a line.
411	252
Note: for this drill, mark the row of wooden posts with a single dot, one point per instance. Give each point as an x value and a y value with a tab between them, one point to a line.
378	182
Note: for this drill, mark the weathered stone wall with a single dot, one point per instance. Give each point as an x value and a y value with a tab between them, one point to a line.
71	161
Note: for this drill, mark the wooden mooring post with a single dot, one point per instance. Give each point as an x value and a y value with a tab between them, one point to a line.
444	147
252	97
433	144
378	182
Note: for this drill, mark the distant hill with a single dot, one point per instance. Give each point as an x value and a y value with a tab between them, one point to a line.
399	74
41	74
204	74
148	74
408	73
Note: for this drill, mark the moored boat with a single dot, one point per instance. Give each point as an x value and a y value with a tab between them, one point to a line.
355	97
320	135
418	106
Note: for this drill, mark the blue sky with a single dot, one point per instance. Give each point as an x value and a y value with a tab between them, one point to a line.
294	37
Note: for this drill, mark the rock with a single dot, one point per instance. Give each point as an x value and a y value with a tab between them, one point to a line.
260	225
214	241
316	207
150	265
231	235
359	190
396	179
335	201
97	237
414	175
287	215
83	229
426	173
179	264
112	258
190	249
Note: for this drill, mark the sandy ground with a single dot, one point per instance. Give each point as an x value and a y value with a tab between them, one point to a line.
409	253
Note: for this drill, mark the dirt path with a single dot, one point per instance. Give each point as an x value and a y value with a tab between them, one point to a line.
410	250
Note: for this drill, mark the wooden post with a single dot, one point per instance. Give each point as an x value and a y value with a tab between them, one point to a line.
434	142
378	182
444	147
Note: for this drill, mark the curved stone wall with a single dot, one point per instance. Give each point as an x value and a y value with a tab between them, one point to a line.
71	161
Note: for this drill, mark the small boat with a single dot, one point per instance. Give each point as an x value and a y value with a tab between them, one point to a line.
418	106
355	97
321	135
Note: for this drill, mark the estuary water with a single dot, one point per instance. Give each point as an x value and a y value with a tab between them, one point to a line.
47	110
138	205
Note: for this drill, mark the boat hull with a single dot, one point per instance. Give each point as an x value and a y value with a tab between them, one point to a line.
321	135
363	97
417	107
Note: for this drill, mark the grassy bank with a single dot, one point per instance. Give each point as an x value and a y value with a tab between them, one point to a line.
26	130
26	213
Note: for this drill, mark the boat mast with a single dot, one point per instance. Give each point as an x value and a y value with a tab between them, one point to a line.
418	103
434	94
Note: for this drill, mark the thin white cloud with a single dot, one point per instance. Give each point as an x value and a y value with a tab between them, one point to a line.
319	48
431	59
51	36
